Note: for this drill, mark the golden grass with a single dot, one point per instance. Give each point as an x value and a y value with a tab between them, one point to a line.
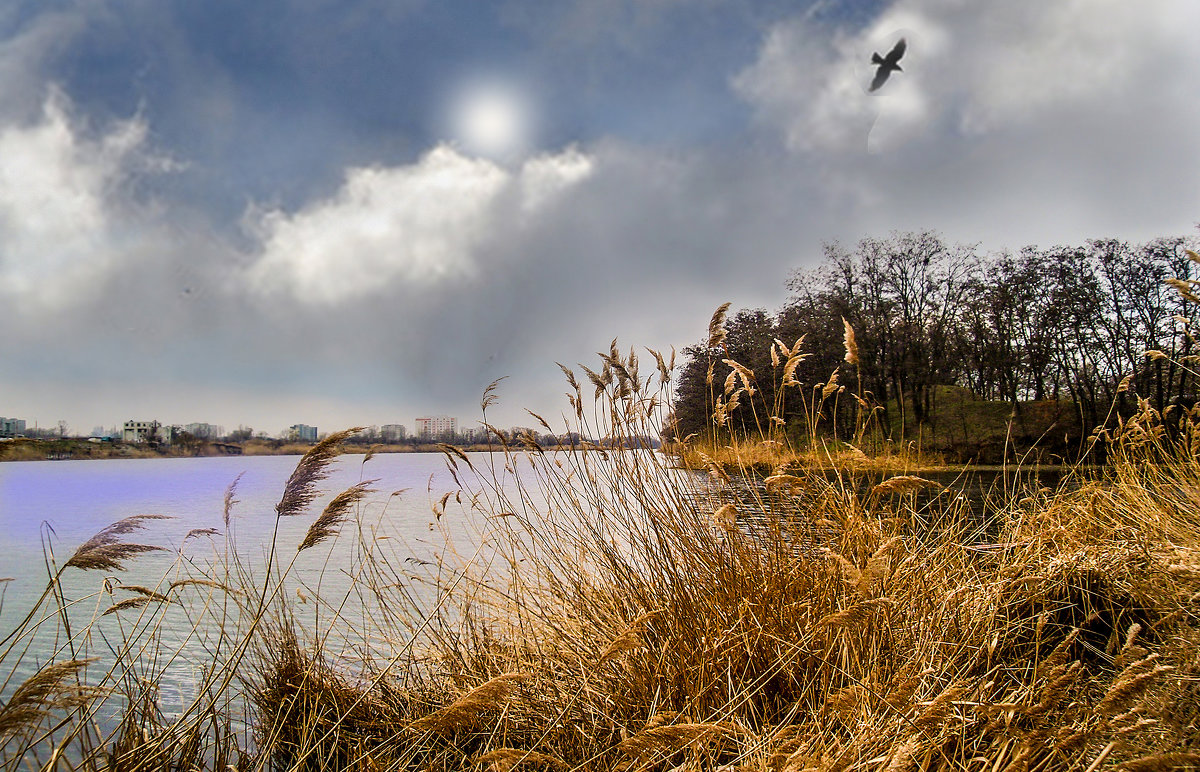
745	456
621	612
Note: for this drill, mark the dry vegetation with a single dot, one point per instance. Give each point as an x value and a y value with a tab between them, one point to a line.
620	613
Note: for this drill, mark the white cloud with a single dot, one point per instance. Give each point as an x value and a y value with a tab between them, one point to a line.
1023	59
414	226
802	85
64	220
1012	123
974	68
546	176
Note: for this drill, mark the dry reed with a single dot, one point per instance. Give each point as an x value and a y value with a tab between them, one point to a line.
301	488
828	622
335	513
463	712
53	688
106	552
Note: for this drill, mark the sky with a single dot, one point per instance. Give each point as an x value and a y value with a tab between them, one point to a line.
349	212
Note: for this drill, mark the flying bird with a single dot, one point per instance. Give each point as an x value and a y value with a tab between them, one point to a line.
887	64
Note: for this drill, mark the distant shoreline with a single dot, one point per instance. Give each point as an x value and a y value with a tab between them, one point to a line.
84	449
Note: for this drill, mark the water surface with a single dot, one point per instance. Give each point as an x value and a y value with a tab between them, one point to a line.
49	508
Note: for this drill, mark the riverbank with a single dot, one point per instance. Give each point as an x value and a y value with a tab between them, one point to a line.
684	629
747	457
618	612
24	449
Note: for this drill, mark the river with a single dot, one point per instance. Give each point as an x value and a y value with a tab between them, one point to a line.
51	507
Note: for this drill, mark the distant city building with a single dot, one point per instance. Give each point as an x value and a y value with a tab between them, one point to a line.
144	431
302	432
435	427
203	431
11	427
137	431
393	432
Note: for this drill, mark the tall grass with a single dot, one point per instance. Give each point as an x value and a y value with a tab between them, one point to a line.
616	611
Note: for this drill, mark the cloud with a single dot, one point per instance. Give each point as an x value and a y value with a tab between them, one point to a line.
545	177
405	227
390	276
1013	123
973	69
66	216
803	85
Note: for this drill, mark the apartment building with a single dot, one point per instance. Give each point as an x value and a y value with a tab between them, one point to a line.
436	427
302	433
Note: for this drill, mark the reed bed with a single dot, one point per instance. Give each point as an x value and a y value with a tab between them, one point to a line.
616	611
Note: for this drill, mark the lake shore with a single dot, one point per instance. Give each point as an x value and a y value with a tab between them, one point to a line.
669	612
23	449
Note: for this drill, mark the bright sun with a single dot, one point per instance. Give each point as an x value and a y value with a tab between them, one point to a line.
491	119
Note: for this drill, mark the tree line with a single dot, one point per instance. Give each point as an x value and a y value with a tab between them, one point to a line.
1096	325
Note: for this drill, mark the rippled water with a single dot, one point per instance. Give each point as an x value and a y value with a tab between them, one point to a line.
47	509
51	507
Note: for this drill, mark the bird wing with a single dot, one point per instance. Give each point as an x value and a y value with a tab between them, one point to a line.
897	52
881	75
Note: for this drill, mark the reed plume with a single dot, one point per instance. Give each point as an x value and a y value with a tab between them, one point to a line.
725	518
849	342
490	397
106	552
505	759
453	452
135	602
744	373
902	484
301	488
658	743
629	640
464	711
230	500
146	591
831	386
1184	288
856	615
1132	682
789	483
44	692
180	583
716	326
334	514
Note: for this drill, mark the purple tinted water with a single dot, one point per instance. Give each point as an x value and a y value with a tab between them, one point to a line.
61	504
